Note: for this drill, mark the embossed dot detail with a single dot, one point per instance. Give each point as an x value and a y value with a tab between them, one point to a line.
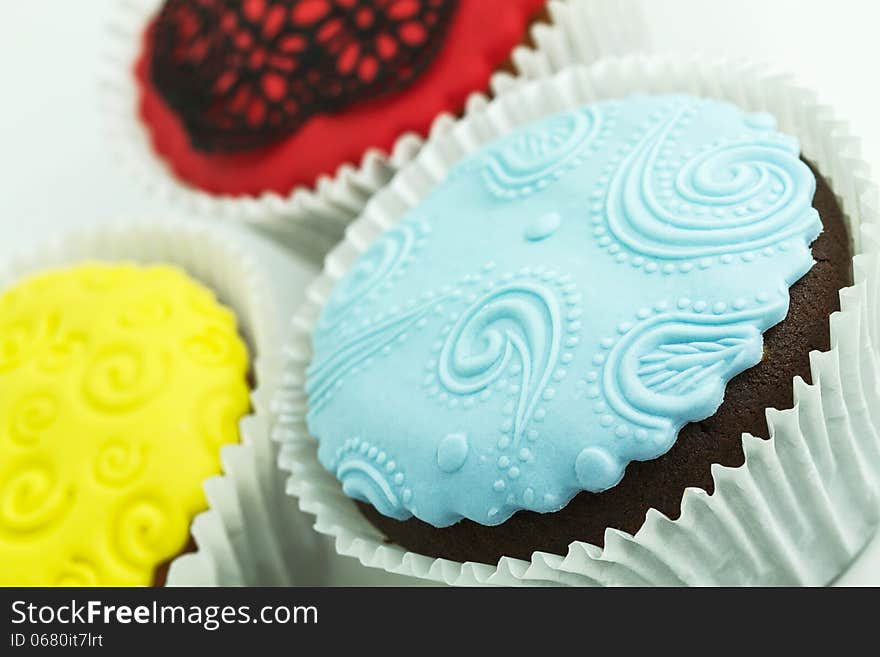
761	121
543	227
596	470
452	452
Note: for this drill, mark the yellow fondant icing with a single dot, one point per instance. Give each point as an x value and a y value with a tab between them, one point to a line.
118	386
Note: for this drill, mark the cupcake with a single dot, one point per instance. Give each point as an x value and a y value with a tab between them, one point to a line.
246	103
243	98
546	367
122	380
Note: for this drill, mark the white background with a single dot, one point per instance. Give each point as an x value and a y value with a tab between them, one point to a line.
56	170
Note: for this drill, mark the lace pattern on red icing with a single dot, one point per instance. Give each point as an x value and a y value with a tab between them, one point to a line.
243	74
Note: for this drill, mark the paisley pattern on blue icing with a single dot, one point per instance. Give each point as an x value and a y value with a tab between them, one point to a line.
511	330
376	270
569	298
530	160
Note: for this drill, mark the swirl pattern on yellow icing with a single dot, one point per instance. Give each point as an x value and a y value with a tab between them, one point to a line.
119	384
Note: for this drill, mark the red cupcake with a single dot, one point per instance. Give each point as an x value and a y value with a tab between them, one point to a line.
292	112
247	97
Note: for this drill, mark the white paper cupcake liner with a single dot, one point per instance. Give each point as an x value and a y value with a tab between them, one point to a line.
251	484
805	501
312	220
583	32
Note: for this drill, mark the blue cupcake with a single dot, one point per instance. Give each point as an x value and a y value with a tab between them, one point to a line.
574	325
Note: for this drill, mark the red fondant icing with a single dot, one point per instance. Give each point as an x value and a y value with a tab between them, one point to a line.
480	38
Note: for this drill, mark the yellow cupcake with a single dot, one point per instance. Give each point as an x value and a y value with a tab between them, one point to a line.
118	386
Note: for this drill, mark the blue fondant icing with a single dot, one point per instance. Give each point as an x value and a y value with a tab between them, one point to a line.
569	298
